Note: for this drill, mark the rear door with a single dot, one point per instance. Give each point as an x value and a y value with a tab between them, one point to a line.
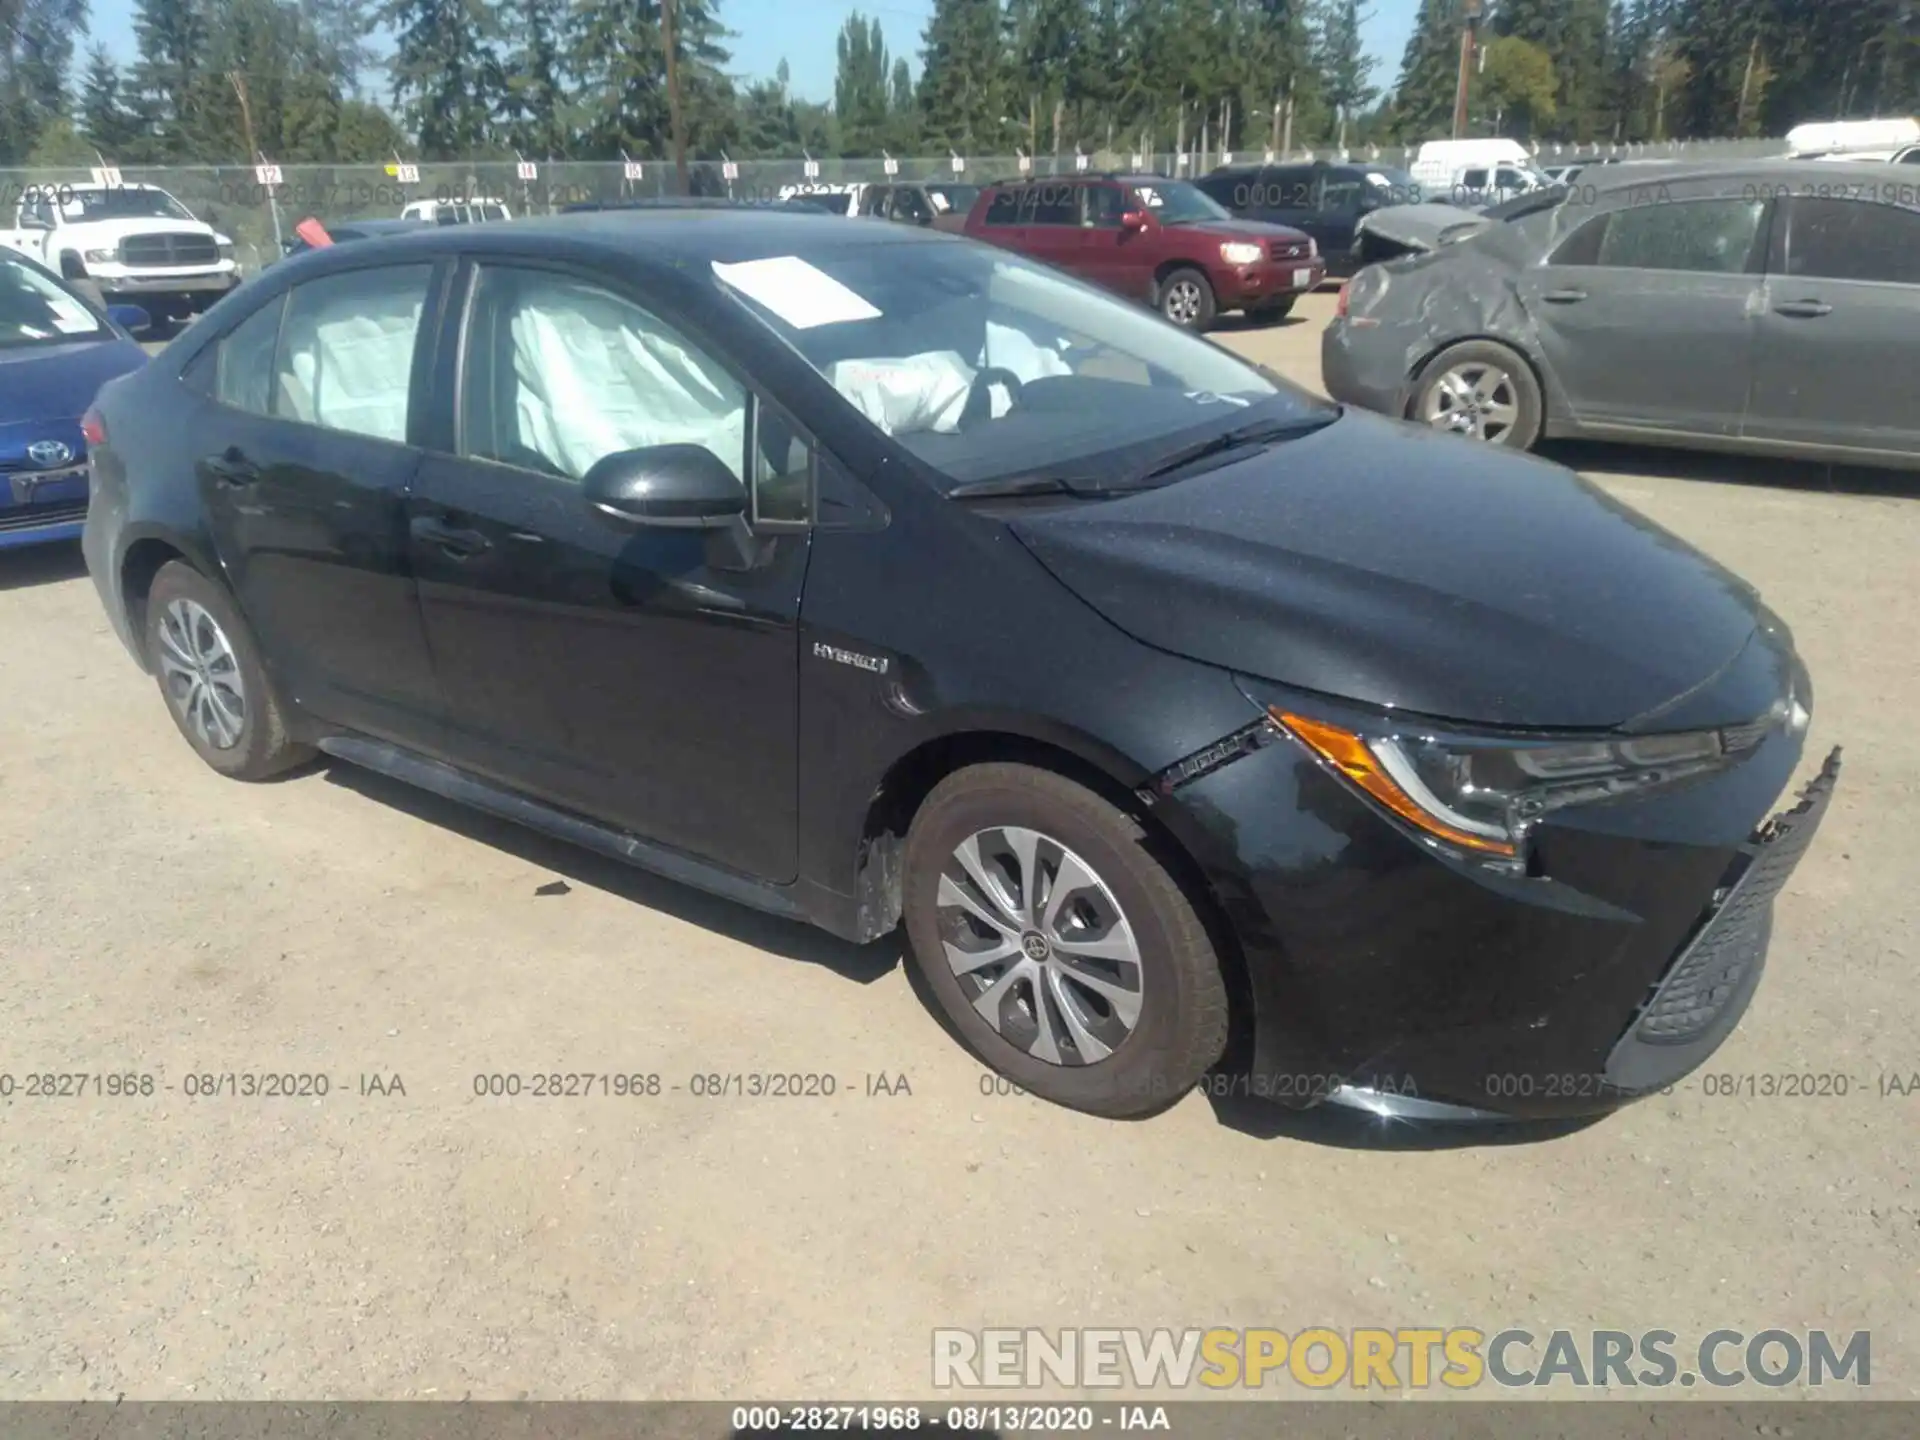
1647	315
1344	196
1105	250
1834	363
307	446
1053	225
646	677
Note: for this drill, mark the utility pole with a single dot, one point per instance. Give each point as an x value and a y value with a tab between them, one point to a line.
239	83
1468	39
673	95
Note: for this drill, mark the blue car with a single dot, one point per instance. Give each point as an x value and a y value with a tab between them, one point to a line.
56	351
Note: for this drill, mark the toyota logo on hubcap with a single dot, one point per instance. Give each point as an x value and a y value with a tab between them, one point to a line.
48	453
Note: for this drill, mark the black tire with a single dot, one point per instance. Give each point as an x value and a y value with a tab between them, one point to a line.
1273	312
1530	410
1181	288
262	748
1181	1029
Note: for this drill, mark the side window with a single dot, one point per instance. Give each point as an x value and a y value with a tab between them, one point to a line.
1342	193
1004	208
1912	157
557	373
1505	179
911	205
346	350
1704	236
1473	179
243	360
1286	187
1583	246
1055	204
874	202
1101	206
1854	240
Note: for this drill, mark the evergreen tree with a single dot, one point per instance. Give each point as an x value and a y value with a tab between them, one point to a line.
1345	66
1429	72
860	85
169	78
534	105
962	84
103	117
447	77
618	62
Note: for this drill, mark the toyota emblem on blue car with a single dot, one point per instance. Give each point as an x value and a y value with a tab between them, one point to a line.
49	453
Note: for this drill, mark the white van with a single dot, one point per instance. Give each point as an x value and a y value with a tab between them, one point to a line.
1852	139
1472	173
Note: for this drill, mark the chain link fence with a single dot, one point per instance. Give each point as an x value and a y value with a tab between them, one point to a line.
258	217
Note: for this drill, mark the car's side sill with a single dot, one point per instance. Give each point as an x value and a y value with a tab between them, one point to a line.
1807	451
457	785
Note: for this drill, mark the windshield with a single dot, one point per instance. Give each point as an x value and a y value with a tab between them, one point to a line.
1176	202
1394	187
35	310
123	204
952	199
987	366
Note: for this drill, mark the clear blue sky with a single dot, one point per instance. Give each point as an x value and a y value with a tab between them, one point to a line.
802	32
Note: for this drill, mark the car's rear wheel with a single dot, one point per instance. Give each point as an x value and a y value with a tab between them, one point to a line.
1483	390
1186	298
1064	953
210	674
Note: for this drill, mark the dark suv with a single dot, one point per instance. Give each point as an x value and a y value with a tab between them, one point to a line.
934	204
1324	200
1153	239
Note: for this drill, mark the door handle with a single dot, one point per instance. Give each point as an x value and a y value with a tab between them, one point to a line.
1564	297
1803	309
457	543
231	468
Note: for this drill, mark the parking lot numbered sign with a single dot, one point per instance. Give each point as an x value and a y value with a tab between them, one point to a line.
811	169
407	174
1025	163
891	166
729	170
109	176
959	164
1139	162
1080	162
527	170
633	170
267	175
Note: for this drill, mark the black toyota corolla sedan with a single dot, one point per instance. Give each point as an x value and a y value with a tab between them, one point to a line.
877	578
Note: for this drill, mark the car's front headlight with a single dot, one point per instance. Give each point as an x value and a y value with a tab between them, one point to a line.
1483	796
1313	248
1241	252
100	257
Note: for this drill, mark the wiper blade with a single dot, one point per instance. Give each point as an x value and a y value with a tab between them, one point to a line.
1001	486
1262	433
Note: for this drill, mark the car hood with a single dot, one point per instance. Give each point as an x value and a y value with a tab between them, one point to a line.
41	384
1238	230
119	227
1395	566
1419	227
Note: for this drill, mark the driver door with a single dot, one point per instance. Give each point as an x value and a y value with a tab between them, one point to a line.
645	677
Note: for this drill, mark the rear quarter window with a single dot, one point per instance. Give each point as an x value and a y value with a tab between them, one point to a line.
1003	208
1853	240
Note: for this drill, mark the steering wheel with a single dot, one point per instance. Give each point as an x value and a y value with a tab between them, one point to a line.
979	404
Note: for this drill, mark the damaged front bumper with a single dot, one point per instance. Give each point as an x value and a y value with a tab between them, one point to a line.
1388	978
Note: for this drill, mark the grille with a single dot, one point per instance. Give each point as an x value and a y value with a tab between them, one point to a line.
168	249
1288	249
34	516
1709	971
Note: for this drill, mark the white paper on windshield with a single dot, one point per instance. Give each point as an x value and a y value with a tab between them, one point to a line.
1152	196
1375	177
798	293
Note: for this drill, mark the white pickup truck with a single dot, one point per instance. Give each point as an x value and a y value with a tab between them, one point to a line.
137	243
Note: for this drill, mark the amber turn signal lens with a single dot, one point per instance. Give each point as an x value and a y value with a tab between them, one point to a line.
1348	754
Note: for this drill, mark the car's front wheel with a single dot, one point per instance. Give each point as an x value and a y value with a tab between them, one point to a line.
1059	947
1186	298
1483	390
209	671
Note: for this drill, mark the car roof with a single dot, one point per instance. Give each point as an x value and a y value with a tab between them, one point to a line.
666	237
1788	175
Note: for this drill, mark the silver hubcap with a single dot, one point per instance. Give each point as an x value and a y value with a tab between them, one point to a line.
1183	302
1040	945
1475	399
201	674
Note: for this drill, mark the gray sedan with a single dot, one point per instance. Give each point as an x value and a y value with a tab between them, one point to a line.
1771	308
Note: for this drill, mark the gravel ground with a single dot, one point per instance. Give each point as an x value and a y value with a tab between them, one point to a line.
156	919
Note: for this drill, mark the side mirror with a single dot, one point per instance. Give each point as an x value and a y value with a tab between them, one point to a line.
1134	220
130	318
685	487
